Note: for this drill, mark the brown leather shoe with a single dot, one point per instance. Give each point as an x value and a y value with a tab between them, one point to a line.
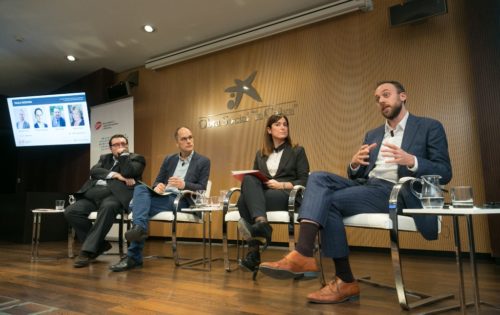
336	291
294	265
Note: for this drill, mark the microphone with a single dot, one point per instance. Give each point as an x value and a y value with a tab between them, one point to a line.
392	133
183	163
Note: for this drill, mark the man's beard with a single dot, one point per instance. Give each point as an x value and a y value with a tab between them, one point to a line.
394	112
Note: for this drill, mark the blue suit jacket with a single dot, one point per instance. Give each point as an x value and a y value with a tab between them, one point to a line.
196	176
424	138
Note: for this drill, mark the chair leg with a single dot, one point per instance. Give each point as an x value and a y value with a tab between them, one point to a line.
175	255
291	238
423	299
71	241
319	260
120	234
402	292
225	247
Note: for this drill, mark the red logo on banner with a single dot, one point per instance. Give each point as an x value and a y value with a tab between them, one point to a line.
98	125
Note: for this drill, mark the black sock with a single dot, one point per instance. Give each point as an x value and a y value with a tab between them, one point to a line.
343	269
307	236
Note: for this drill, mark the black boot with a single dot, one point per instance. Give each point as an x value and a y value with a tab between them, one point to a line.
252	261
260	231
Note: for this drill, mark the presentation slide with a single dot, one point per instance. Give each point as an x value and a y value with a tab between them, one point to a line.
57	119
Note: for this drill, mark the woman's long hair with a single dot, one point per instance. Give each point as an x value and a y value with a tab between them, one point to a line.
268	144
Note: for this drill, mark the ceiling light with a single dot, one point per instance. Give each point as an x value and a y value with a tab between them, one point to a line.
148	28
71	58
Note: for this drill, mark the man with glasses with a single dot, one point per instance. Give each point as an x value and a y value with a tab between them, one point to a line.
108	191
57	119
185	170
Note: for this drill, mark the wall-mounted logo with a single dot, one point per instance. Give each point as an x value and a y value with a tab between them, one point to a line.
242	87
98	125
239	116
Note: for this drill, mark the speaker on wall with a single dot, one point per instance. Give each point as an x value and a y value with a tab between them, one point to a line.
412	11
119	90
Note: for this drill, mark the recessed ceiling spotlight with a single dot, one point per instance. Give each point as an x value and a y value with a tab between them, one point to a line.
148	28
71	58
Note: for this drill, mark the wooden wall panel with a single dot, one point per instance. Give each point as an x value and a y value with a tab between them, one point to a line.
325	75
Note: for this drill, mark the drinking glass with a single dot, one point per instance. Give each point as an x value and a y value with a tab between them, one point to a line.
214	200
199	199
461	197
222	194
59	204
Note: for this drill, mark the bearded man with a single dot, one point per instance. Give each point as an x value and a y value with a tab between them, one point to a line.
406	145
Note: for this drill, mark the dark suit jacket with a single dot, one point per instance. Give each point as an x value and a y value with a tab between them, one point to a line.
196	176
293	167
42	125
424	138
62	122
129	166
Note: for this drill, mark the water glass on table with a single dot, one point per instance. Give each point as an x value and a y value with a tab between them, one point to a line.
199	198
214	202
59	204
222	195
461	197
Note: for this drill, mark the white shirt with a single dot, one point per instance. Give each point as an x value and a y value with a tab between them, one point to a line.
273	162
389	171
180	170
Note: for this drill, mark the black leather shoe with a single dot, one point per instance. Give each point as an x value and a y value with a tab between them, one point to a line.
251	262
125	264
83	260
136	233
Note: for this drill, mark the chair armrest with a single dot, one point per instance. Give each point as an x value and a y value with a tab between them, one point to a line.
181	195
393	203
227	199
297	190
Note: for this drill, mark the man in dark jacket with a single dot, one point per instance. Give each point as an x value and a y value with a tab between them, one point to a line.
108	191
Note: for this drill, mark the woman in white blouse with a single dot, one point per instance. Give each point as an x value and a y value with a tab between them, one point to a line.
285	165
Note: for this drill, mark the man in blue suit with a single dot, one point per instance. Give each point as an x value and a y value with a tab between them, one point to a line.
186	170
405	145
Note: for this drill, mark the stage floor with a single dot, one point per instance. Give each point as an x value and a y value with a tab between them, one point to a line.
55	287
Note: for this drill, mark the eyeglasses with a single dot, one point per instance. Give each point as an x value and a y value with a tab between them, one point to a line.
119	144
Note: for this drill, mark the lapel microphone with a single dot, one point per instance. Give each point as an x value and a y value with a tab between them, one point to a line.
183	163
392	133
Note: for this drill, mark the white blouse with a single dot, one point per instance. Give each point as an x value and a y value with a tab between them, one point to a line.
273	161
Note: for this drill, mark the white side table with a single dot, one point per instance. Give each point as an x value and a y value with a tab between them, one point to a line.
37	224
468	213
206	212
